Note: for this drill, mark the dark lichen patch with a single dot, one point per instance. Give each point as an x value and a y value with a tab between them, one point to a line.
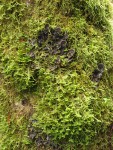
41	139
53	47
97	73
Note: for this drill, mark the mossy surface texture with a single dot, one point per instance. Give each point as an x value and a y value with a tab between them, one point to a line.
54	94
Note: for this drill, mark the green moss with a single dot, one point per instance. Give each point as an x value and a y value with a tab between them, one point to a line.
69	107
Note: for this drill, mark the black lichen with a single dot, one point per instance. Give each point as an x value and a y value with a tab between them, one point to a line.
55	42
97	73
40	138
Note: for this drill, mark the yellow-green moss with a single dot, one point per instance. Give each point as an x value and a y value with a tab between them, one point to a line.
67	104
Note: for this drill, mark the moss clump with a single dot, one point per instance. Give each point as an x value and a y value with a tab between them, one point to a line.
52	71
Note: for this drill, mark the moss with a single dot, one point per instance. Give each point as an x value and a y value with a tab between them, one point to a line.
70	109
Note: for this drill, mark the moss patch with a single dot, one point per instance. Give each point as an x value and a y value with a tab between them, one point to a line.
48	51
